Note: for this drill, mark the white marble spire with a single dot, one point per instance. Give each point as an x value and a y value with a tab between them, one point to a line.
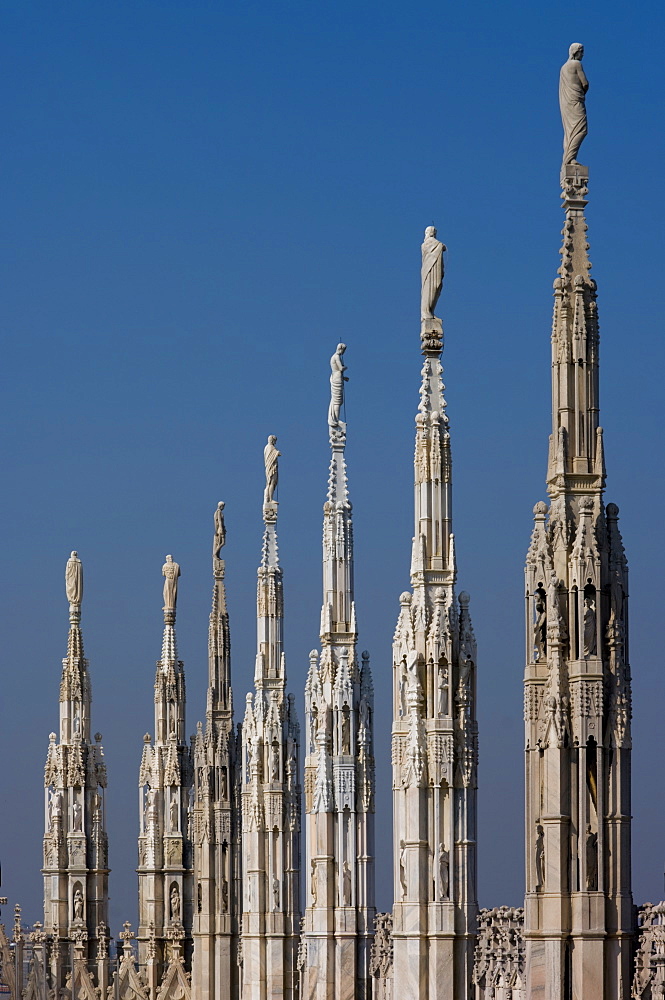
165	780
270	787
435	734
75	841
578	907
339	766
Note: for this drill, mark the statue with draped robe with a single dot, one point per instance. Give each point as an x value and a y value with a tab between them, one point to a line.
270	457
431	273
337	380
74	579
573	86
170	572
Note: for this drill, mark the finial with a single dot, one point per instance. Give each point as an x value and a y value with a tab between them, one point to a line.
74	586
336	426
573	86
271	460
219	540
431	274
170	572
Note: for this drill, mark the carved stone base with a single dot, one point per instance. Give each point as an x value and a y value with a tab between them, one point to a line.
431	334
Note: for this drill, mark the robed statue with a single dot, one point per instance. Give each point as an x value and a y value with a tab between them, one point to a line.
74	579
220	531
573	86
270	457
170	572
431	273
337	380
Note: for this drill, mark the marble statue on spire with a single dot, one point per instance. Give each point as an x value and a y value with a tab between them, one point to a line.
431	273
74	579
337	380
270	457
170	572
219	538
573	86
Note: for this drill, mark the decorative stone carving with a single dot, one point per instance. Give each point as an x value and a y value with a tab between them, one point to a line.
443	860
337	380
540	857
573	86
271	459
170	572
591	842
431	275
74	579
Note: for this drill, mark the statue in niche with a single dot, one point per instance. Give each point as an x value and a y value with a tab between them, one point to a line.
78	903
170	572
364	719
275	893
225	896
224	784
402	868
175	905
591	860
96	807
540	857
441	686
464	682
403	683
173	812
74	579
248	766
431	273
77	817
346	730
314	883
444	873
573	86
346	883
270	457
54	806
151	807
589	627
219	539
540	631
337	380
274	767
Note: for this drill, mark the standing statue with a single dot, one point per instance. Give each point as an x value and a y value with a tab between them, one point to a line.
74	579
589	627
174	813
346	883
540	631
402	868
270	457
78	903
274	767
441	686
170	572
275	893
431	273
175	905
314	883
77	817
573	86
337	380
444	873
591	860
540	857
219	539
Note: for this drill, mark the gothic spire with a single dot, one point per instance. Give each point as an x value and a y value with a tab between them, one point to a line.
220	700
269	593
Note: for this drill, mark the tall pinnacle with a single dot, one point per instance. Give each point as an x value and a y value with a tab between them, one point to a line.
269	594
219	639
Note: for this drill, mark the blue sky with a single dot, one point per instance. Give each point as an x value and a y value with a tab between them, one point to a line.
199	201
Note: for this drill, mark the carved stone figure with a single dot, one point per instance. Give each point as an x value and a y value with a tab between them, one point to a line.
219	539
314	883
78	903
275	893
444	873
170	572
225	896
337	380
441	685
151	807
270	457
54	806
591	860
589	627
540	632
540	857
346	883
346	730
77	817
402	868
431	273
174	813
274	767
403	683
74	579
573	86
175	905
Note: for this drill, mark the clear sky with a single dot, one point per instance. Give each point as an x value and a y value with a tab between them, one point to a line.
199	200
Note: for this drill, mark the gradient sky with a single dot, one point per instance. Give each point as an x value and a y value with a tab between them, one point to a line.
199	200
